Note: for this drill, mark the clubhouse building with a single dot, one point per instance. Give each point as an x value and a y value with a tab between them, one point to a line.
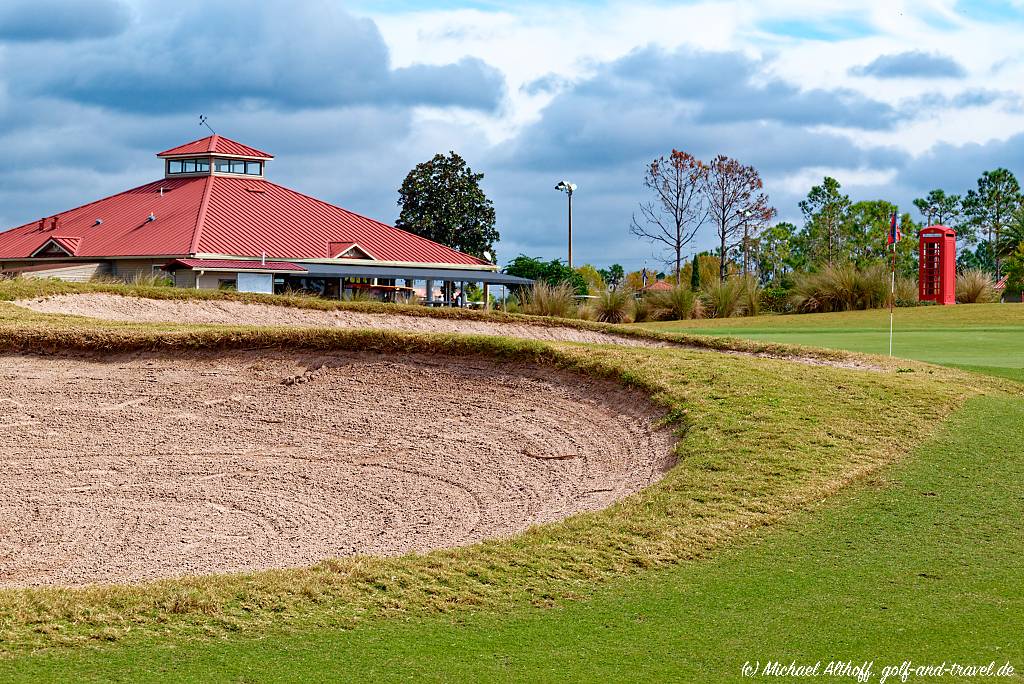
215	221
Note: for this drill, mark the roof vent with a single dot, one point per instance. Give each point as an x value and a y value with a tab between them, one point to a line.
99	221
151	217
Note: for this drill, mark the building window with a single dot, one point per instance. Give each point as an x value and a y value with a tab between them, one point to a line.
239	166
175	166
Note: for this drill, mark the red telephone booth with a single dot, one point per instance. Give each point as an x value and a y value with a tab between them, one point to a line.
936	280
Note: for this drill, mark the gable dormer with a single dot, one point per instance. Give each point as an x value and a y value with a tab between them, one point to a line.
348	250
57	246
214	155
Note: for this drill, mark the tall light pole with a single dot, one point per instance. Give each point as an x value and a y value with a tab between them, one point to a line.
568	188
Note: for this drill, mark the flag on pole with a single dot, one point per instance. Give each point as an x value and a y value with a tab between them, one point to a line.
894	236
894	230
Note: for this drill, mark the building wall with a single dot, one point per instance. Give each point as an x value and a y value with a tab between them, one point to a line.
184	277
131	269
78	273
212	281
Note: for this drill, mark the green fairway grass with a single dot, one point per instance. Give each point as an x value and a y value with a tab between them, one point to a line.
817	511
986	338
921	563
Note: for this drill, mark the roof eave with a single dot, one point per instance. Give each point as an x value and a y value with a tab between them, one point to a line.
368	262
192	155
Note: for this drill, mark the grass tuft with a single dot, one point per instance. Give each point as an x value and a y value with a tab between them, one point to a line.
975	286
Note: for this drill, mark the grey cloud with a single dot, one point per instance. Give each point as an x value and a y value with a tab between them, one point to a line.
193	56
956	168
549	83
602	132
39	20
913	64
470	82
706	103
728	86
974	97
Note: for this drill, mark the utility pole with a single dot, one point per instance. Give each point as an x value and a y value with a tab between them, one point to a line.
568	188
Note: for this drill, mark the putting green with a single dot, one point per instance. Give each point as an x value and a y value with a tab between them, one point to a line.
986	338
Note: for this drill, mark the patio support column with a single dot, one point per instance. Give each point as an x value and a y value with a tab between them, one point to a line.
487	296
430	292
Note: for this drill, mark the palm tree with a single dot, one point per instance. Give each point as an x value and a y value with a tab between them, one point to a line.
1012	235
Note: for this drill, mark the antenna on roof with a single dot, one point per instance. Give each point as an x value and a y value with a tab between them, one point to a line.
203	119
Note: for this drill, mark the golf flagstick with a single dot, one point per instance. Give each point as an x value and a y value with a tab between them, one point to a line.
894	237
892	296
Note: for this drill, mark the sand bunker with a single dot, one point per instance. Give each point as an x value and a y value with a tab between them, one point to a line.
136	467
139	310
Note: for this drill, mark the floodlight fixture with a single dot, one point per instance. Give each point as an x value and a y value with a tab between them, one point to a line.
568	188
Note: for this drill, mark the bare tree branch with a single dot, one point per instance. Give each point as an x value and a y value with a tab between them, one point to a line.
678	211
736	205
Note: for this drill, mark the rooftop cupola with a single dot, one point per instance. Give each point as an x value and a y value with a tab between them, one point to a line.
215	155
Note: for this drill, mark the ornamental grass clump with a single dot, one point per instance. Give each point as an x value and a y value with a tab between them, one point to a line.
725	299
906	291
841	288
613	305
678	304
558	301
751	296
975	286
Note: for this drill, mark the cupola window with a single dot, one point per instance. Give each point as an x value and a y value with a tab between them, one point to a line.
175	166
240	166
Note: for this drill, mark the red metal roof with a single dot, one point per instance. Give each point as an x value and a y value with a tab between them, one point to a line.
657	286
68	244
216	144
118	225
224	216
241	265
250	216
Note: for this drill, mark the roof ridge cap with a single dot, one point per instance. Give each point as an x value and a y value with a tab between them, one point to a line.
201	216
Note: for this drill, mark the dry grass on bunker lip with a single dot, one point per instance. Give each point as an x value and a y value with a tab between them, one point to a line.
21	289
761	438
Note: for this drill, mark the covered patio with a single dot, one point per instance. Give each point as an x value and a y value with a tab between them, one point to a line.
442	286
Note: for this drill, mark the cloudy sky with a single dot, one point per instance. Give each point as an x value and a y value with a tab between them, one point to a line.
892	98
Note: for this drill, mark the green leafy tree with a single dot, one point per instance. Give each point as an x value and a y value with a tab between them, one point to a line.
866	236
980	258
774	251
592	277
991	207
554	272
708	266
1015	270
825	214
1013	234
938	208
613	275
441	200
